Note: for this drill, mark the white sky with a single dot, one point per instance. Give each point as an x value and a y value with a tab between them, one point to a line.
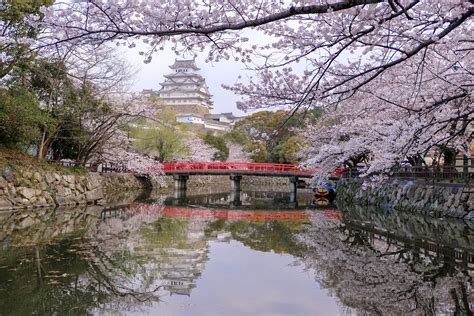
149	76
216	74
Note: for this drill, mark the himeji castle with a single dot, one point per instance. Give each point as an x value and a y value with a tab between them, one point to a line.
185	91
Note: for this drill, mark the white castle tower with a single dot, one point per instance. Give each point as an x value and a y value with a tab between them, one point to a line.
185	90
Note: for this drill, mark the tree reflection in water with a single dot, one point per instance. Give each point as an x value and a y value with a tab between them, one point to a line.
374	274
119	259
92	266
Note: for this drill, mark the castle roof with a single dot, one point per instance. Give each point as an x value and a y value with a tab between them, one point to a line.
184	63
176	75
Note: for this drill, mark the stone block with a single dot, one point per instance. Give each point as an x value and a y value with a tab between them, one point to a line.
26	193
43	186
59	190
8	174
456	212
5	203
93	182
59	200
27	175
71	186
470	202
42	200
3	183
80	188
49	198
49	178
27	222
94	195
37	176
69	178
469	217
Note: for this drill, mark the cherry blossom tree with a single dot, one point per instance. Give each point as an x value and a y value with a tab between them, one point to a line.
104	67
237	153
18	29
197	150
109	141
116	150
395	75
379	122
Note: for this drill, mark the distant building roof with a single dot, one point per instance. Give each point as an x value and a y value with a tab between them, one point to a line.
184	63
217	123
228	115
188	115
149	91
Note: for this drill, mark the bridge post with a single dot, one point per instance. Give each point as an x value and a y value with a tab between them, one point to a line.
180	181
293	188
235	198
179	197
235	182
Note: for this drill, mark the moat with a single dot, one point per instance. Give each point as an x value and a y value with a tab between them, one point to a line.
221	254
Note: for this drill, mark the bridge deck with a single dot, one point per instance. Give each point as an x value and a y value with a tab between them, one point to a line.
238	172
239	168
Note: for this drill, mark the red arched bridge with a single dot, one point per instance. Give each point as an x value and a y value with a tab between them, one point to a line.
238	168
182	170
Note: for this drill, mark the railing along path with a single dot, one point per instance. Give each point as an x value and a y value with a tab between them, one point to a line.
461	171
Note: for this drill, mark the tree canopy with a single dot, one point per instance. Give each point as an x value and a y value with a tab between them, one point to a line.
272	136
17	30
163	140
394	76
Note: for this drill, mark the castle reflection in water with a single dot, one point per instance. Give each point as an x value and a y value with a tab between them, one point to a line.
129	254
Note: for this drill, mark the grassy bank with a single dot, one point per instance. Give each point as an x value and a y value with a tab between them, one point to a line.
15	160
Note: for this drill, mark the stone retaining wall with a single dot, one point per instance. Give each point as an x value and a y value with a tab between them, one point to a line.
435	200
447	231
27	189
42	224
248	183
31	189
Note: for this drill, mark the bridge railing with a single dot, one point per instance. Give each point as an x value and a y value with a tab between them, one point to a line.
236	166
205	167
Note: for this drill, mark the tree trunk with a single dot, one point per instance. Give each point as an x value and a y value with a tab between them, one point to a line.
44	146
449	156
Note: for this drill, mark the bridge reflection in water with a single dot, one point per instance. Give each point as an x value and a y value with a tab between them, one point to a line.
246	199
372	262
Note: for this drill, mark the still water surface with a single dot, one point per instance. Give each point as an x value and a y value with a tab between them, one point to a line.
217	254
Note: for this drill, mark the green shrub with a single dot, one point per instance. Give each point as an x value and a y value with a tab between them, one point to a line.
20	118
218	142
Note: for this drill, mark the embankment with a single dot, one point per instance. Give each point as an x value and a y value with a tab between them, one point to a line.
222	183
439	200
33	187
30	188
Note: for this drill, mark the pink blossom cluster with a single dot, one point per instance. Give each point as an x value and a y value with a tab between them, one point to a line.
197	150
237	153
